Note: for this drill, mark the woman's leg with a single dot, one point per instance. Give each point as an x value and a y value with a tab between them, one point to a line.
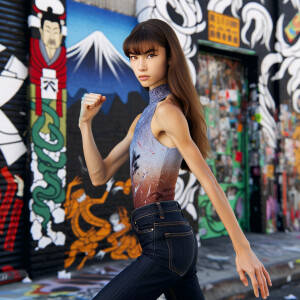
144	279
187	287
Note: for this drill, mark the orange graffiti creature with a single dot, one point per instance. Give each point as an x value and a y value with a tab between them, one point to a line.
120	242
121	185
78	205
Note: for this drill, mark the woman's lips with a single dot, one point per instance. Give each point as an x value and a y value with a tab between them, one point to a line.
143	77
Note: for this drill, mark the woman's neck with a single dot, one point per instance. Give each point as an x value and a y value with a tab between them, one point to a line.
158	93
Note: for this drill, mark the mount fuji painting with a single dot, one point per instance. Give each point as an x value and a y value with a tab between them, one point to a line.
96	63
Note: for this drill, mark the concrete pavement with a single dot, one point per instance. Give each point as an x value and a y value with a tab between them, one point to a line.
279	252
286	291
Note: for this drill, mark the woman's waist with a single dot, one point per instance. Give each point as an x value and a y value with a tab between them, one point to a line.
157	220
146	195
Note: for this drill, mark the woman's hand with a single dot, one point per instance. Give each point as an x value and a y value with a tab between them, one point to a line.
90	105
247	262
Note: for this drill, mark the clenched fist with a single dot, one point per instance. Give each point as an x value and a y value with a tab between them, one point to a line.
90	105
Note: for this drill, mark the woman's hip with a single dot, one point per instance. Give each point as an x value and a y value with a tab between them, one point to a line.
165	235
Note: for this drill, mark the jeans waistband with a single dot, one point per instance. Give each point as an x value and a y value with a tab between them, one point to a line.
156	208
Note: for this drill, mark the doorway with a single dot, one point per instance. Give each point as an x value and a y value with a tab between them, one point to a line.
222	86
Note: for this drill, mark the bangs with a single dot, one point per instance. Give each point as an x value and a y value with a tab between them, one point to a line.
140	41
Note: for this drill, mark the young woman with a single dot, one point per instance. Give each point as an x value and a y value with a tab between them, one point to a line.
168	135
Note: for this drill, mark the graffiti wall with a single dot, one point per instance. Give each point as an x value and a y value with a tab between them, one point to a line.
287	77
252	27
13	107
47	92
244	61
98	218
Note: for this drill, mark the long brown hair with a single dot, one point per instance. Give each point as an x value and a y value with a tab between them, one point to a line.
155	31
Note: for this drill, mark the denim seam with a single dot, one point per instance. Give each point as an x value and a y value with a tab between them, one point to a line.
171	223
179	233
141	231
146	216
170	263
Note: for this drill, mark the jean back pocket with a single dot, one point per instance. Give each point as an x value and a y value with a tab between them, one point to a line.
181	251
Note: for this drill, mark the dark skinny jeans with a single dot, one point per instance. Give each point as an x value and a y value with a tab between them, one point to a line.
168	261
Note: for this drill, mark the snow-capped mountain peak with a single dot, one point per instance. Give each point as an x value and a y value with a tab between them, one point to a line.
103	50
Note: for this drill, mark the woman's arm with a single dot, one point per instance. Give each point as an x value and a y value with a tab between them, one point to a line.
171	120
101	170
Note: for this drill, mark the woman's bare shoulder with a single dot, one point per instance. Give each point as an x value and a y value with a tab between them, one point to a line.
169	115
136	119
168	106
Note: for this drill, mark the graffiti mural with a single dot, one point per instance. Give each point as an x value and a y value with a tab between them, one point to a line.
47	75
11	205
189	19
13	74
15	187
11	80
122	245
286	59
99	217
185	193
78	206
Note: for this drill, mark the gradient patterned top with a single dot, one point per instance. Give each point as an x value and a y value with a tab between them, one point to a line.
154	167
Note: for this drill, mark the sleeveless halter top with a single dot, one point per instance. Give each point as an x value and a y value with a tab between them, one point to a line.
154	167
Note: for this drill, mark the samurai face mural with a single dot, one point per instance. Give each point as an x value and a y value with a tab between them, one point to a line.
50	32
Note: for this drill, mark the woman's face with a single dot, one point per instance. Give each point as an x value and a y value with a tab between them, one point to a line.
150	67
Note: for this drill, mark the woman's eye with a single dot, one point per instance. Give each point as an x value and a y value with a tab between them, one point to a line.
132	57
150	55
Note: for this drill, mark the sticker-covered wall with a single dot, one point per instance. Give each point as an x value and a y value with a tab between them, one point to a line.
287	77
223	98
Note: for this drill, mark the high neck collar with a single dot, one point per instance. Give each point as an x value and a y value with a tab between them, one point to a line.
159	93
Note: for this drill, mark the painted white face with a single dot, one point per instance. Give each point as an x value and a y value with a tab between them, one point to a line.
81	198
150	67
114	219
51	34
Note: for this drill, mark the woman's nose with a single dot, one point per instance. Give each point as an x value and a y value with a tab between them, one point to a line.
142	65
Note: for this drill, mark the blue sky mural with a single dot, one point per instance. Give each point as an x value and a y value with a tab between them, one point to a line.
96	62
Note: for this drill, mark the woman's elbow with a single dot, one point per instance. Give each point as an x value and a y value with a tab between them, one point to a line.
97	181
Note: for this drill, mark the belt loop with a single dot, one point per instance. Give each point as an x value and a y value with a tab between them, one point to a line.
161	213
